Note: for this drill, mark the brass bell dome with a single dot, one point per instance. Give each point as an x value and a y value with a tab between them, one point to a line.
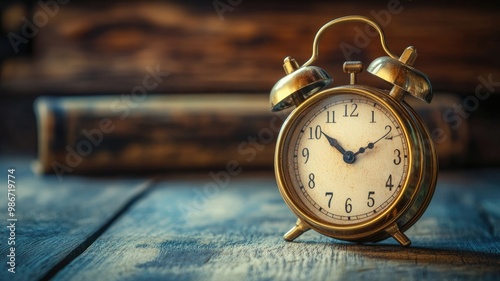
299	84
402	75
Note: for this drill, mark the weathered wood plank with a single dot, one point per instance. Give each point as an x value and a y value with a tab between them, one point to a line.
234	233
56	219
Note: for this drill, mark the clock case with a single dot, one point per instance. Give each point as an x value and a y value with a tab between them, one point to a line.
416	191
302	87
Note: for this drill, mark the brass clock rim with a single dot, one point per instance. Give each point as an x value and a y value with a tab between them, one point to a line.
286	128
382	220
433	177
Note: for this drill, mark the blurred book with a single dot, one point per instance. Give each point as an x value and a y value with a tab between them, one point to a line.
116	133
179	132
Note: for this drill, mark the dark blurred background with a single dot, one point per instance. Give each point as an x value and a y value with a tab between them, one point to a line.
94	48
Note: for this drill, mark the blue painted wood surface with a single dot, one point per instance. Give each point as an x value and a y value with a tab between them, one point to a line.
188	227
56	220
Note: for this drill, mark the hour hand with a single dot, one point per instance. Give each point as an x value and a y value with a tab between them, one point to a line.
333	142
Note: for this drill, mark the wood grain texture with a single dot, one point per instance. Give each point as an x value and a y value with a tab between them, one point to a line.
55	218
234	232
105	47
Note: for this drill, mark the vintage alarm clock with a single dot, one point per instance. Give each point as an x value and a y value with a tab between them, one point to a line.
354	162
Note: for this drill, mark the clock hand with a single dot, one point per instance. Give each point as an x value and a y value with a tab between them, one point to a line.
372	144
333	142
348	156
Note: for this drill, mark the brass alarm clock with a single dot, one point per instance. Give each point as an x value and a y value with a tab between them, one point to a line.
354	162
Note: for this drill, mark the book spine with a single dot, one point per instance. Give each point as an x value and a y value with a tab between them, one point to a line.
183	132
161	133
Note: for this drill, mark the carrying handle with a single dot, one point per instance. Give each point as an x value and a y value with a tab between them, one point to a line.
358	18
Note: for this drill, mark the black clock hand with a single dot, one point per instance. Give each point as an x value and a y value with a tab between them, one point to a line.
348	156
333	142
372	144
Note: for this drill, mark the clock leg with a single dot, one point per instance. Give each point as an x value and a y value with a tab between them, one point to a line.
299	228
399	236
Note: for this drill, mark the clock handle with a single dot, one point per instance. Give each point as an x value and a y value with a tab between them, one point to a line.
319	35
299	228
303	81
394	69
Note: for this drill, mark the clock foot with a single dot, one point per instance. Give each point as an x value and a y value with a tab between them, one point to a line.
399	236
299	228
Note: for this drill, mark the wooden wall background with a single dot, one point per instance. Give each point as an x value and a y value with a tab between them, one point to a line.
96	47
105	47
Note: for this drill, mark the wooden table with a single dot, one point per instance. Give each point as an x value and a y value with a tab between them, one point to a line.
183	227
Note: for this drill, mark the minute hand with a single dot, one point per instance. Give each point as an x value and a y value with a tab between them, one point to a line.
372	144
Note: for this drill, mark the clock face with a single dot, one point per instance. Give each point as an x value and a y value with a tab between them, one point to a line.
347	158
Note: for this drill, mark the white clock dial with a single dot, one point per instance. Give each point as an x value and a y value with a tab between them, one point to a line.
348	159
